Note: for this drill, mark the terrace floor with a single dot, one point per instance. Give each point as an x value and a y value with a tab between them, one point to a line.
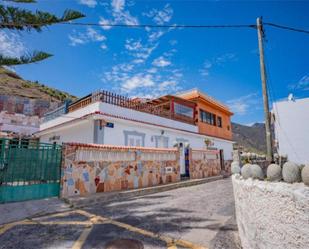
201	216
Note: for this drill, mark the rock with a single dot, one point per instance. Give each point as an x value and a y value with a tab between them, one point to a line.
305	175
274	172
235	167
246	171
291	172
256	172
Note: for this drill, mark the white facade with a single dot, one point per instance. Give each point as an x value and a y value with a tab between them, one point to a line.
292	129
130	128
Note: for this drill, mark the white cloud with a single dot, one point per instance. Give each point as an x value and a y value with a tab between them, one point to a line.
89	3
206	67
154	36
104	22
160	16
133	45
165	85
138	50
243	104
225	58
302	84
91	35
11	45
118	5
119	15
161	62
138	81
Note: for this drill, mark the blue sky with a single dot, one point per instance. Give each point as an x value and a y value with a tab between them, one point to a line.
148	62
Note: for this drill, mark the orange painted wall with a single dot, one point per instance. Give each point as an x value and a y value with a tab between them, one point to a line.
211	130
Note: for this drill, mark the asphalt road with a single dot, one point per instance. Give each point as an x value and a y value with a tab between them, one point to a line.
200	216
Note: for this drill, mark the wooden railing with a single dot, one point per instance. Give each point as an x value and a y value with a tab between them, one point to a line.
118	100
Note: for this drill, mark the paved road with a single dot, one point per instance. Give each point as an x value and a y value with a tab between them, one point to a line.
194	217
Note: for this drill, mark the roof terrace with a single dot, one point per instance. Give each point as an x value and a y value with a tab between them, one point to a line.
168	106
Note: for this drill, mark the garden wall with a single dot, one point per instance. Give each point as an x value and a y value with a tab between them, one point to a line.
89	168
272	215
204	163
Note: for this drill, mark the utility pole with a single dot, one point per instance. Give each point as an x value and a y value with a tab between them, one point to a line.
260	31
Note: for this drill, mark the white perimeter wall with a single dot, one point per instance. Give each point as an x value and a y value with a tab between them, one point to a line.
83	132
271	215
292	129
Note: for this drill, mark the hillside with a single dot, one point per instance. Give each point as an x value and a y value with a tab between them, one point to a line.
12	84
251	138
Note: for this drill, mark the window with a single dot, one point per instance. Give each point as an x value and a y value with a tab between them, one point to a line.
208	117
219	121
183	110
134	138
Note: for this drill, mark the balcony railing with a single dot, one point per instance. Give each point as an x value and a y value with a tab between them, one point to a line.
122	101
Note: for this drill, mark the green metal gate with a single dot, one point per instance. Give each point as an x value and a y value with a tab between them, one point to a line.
28	170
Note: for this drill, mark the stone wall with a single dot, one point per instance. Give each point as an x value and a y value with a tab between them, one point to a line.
88	169
204	163
272	215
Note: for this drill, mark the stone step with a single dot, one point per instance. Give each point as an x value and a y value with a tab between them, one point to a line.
82	201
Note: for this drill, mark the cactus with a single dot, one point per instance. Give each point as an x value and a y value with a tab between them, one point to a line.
256	172
291	172
235	168
305	175
274	172
246	171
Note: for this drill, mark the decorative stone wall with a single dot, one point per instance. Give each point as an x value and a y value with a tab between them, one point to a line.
271	215
204	163
89	169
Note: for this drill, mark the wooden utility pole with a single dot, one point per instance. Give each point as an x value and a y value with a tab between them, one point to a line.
269	155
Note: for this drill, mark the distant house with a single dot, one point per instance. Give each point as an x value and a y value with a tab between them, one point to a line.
291	123
190	119
17	125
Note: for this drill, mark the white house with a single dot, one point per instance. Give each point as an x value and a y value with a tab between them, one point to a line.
291	122
106	118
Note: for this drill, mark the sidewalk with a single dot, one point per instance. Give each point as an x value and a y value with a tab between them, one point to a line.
82	201
10	212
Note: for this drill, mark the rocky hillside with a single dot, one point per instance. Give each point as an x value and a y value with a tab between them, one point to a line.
12	84
251	138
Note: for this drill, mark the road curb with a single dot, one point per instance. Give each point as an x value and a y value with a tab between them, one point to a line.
79	201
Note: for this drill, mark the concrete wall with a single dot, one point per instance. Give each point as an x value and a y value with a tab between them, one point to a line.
292	129
89	169
272	215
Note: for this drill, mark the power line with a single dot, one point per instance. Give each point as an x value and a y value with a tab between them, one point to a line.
286	27
130	25
8	25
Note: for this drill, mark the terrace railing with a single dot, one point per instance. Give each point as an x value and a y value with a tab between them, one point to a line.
118	100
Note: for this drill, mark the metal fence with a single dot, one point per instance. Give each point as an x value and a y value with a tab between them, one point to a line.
28	170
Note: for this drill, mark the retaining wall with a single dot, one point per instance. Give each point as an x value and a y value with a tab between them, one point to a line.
272	215
90	168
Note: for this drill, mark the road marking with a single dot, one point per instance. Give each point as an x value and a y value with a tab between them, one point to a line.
97	219
82	238
8	226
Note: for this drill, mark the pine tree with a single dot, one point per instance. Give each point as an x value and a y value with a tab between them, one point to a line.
13	18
